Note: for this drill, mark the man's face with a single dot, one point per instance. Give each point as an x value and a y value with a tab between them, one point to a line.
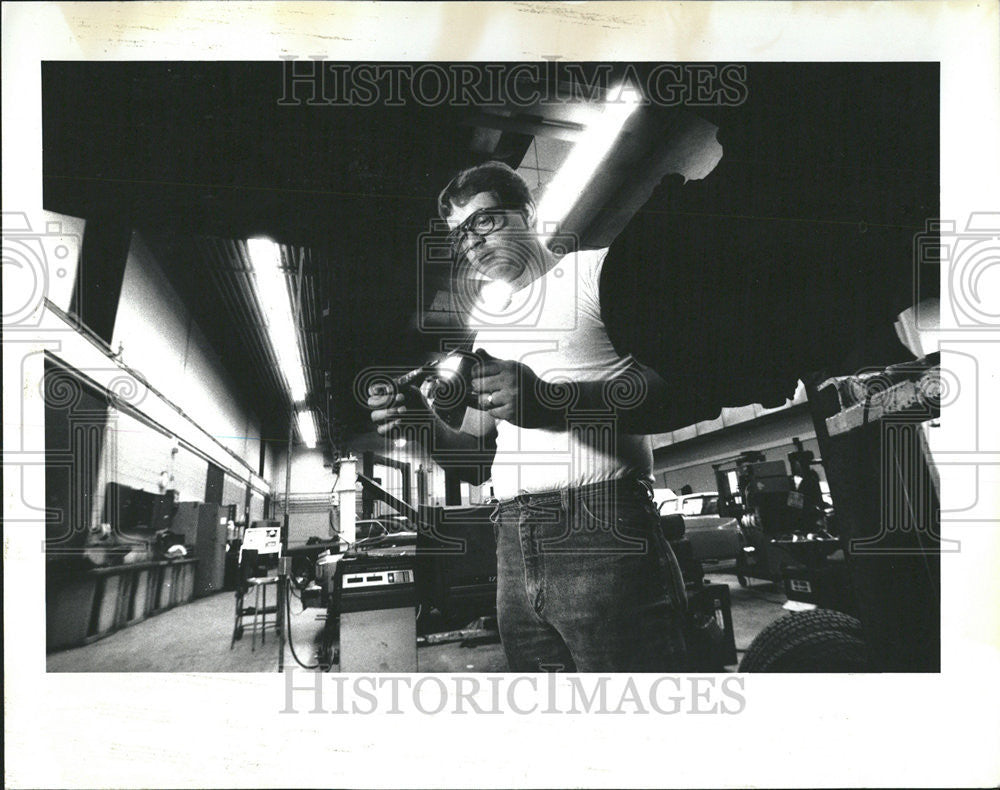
497	243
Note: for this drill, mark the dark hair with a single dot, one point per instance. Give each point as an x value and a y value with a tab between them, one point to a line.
511	190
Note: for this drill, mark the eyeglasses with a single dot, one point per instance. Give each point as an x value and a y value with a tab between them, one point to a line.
480	223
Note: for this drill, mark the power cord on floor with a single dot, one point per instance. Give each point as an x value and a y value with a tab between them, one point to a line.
288	625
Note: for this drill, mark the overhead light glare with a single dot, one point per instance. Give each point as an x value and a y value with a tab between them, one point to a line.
586	156
307	428
272	292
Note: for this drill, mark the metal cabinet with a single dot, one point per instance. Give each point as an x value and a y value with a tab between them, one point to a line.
204	529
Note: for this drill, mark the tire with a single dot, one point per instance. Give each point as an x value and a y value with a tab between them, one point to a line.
820	640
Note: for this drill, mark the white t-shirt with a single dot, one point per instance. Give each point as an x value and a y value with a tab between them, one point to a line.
553	325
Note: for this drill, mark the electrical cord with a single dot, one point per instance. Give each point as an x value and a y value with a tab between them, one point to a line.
365	540
288	626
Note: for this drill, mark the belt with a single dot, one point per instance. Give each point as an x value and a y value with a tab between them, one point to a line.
563	496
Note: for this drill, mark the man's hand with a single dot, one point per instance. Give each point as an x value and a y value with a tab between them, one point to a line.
509	390
469	456
388	408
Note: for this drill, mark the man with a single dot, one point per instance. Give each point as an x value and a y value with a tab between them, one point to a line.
586	581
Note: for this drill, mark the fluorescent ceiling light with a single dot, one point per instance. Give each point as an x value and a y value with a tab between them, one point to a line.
272	291
307	428
586	157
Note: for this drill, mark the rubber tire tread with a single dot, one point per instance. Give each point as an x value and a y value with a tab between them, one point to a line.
820	640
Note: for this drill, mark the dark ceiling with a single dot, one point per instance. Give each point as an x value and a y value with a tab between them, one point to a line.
200	156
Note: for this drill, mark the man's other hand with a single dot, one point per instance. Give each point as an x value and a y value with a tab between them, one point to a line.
389	406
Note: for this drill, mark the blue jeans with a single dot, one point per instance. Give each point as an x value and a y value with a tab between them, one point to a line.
586	582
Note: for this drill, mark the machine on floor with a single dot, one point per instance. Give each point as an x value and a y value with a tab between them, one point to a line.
877	606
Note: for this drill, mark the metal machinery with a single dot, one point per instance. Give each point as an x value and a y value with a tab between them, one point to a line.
257	567
375	602
369	592
879	605
786	528
457	562
708	627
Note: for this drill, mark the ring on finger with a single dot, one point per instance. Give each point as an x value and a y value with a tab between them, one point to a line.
489	399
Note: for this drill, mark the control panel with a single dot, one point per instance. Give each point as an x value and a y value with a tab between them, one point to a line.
377	578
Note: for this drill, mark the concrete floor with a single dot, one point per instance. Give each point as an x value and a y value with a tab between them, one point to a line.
754	608
196	638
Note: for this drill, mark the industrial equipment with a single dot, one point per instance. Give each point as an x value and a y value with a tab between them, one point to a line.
881	605
263	537
375	602
779	527
708	623
457	561
260	558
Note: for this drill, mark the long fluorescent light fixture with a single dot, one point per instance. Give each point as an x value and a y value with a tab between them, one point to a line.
307	428
272	291
586	156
